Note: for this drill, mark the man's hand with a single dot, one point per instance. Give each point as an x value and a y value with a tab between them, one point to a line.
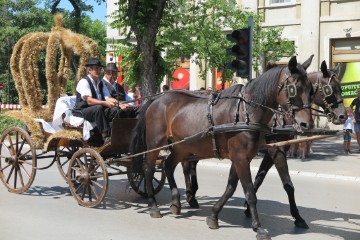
124	106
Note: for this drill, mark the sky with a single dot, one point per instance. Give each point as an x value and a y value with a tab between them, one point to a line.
99	10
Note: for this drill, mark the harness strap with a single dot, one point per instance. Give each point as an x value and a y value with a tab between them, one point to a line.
214	98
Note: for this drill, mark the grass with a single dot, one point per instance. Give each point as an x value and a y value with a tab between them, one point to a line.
6	122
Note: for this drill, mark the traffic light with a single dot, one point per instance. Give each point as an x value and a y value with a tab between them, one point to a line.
242	52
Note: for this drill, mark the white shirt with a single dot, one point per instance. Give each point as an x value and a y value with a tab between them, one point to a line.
349	123
83	88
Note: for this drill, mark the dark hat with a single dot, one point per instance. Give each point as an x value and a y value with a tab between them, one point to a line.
93	62
111	67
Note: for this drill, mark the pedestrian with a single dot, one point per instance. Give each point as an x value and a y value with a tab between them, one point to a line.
93	100
165	88
356	103
348	129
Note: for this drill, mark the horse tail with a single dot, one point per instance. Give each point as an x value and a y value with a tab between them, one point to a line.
138	140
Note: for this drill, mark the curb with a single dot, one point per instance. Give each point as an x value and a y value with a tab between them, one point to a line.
291	172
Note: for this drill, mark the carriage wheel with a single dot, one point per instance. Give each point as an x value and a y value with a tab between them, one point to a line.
63	157
137	183
87	177
17	160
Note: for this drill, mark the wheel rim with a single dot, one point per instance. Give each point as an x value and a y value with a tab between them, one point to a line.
137	183
63	157
17	160
87	177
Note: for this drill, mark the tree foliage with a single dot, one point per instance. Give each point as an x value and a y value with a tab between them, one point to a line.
22	17
187	29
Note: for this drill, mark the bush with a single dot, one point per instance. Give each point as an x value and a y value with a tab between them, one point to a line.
7	122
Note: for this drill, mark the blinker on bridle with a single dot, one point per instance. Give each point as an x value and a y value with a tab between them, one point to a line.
327	94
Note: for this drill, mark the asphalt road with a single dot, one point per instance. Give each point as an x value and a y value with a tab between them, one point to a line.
48	211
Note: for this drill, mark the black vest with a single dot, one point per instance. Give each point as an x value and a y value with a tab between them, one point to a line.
118	94
81	103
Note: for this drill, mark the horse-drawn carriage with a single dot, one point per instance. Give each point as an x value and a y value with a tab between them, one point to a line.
195	126
83	164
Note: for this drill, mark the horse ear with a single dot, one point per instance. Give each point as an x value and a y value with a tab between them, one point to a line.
292	64
324	69
307	63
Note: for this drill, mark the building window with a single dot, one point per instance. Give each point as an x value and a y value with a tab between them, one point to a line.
280	1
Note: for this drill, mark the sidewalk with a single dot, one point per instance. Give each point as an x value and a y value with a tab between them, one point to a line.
327	161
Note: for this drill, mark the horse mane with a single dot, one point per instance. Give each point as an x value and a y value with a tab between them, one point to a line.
261	88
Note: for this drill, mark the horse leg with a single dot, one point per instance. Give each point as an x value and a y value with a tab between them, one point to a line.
242	167
149	170
264	168
213	220
279	158
189	170
170	165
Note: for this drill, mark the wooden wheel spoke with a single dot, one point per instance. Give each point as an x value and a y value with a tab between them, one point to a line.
25	162
17	141
8	178
15	177
97	184
79	187
89	191
21	178
22	155
76	169
93	171
86	161
94	191
21	147
2	156
2	169
6	147
81	164
83	193
96	176
25	170
11	144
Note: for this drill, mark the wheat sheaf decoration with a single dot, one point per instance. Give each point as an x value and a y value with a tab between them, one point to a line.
25	70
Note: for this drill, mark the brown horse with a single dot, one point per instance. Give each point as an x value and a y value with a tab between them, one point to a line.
327	95
327	92
170	117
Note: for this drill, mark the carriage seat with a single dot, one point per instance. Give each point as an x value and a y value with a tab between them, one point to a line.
63	117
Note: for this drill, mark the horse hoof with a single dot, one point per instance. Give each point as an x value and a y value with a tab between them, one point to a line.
212	222
262	234
155	214
247	213
301	224
193	203
175	209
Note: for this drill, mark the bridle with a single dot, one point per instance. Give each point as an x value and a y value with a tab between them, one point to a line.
291	92
328	97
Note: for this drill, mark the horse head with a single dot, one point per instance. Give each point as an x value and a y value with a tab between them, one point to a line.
327	94
295	91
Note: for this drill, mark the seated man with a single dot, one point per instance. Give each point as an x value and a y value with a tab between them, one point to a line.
93	100
110	80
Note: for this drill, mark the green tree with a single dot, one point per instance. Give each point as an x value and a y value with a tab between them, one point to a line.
22	17
186	29
18	18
